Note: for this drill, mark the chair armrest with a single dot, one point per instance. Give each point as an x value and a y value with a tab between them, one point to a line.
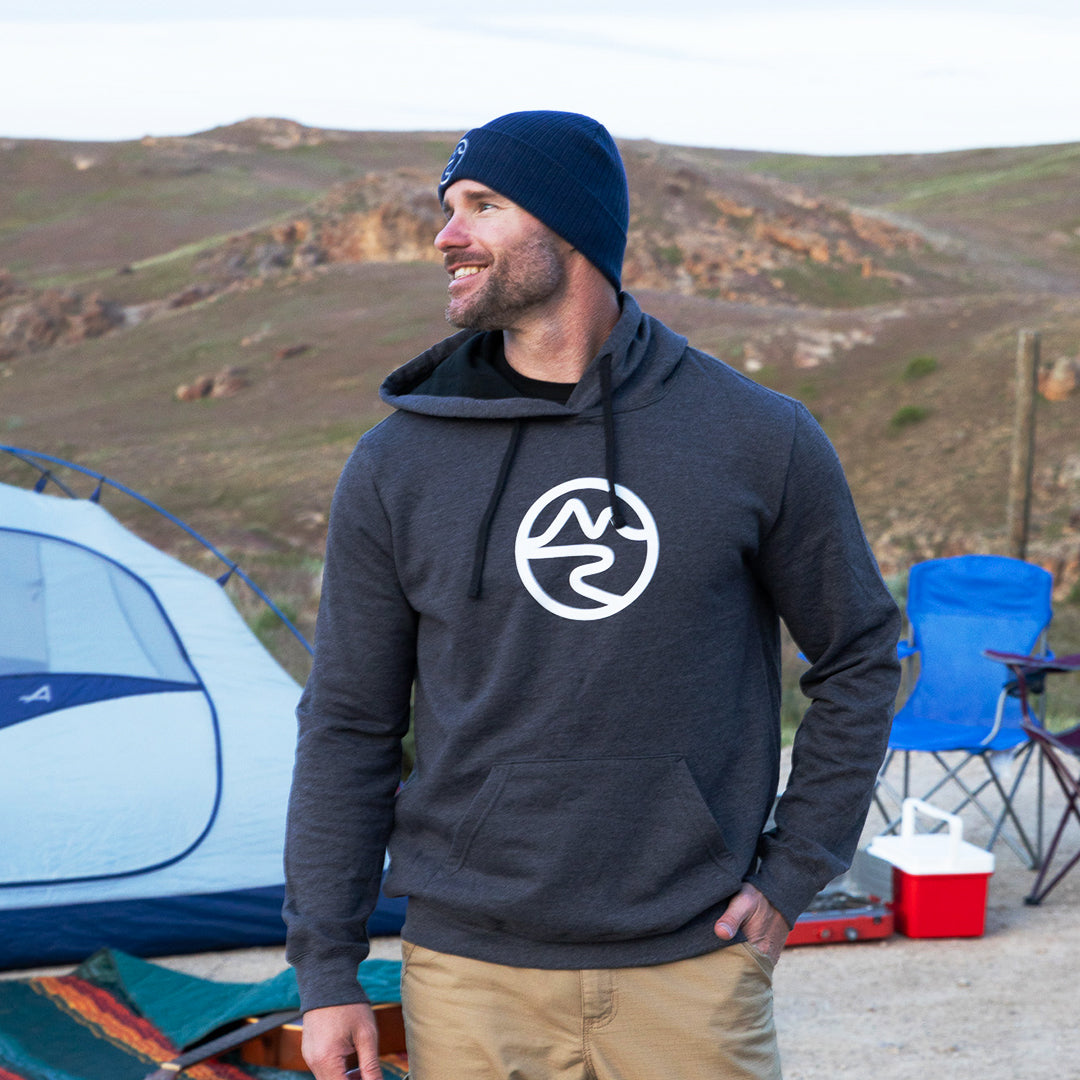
1029	680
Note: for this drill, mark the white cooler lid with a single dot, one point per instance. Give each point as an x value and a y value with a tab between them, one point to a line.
931	853
926	854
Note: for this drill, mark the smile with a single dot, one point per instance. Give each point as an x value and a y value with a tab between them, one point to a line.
465	271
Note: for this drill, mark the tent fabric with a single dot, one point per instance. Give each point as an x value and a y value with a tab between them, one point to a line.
145	925
54	588
37	695
146	737
146	748
159	925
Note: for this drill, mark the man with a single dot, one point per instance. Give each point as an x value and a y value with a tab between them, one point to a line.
573	543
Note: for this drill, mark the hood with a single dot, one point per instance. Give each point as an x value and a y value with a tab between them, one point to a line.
630	371
640	353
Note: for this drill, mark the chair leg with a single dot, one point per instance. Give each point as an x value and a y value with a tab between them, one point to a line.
1017	838
1022	848
1032	853
1070	787
882	785
1039	892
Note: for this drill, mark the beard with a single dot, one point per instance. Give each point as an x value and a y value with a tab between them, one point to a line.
521	278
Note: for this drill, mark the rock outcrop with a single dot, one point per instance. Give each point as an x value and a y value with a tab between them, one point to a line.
226	383
1061	379
735	240
54	316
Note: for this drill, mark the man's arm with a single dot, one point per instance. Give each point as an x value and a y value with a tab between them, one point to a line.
823	578
352	717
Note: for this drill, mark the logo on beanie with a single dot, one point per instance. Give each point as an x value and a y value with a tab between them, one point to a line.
455	159
572	559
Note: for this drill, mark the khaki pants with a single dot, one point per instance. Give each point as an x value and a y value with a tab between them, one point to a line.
707	1018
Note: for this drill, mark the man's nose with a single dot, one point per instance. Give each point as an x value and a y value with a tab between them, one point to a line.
452	235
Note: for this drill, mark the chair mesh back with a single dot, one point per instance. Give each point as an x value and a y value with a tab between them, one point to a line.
958	607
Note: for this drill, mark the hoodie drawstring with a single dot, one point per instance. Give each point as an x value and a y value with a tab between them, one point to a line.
489	514
618	519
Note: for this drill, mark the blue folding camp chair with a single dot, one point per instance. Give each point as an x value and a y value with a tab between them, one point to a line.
957	608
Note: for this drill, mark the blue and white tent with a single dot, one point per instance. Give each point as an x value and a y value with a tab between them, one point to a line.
146	746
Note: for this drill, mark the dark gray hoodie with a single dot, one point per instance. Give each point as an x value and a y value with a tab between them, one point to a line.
585	600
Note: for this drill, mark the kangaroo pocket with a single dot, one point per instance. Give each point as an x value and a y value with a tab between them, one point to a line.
587	850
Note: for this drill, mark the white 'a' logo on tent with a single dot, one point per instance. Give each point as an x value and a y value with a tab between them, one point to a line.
622	566
42	693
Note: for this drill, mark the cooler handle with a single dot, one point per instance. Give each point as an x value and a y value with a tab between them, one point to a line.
956	826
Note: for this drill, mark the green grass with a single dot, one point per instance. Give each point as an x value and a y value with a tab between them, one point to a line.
802	167
268	622
153	278
1054	164
836	287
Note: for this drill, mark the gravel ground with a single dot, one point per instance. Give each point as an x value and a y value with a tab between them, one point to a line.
996	1007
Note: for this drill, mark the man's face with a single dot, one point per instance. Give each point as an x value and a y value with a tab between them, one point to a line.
504	264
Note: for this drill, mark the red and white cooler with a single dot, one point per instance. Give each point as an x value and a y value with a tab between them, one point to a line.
939	881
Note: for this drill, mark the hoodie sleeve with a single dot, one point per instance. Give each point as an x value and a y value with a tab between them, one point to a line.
352	716
818	567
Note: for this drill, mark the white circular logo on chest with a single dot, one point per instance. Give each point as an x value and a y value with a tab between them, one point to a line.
573	560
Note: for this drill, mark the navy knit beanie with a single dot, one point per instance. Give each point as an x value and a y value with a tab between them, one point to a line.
563	168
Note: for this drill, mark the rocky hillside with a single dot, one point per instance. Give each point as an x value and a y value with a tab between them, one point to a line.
208	318
735	238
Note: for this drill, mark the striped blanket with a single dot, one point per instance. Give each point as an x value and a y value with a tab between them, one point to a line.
118	1018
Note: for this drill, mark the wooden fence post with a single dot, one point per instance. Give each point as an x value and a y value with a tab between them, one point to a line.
1023	448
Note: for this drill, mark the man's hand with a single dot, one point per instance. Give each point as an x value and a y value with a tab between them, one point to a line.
332	1036
763	925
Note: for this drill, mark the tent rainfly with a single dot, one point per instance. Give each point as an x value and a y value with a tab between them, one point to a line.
146	745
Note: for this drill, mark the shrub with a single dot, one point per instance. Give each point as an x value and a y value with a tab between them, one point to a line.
267	622
920	366
907	415
672	254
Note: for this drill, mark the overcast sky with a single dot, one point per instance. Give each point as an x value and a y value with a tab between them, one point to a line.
827	77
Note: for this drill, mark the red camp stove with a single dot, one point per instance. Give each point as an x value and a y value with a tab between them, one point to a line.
835	917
